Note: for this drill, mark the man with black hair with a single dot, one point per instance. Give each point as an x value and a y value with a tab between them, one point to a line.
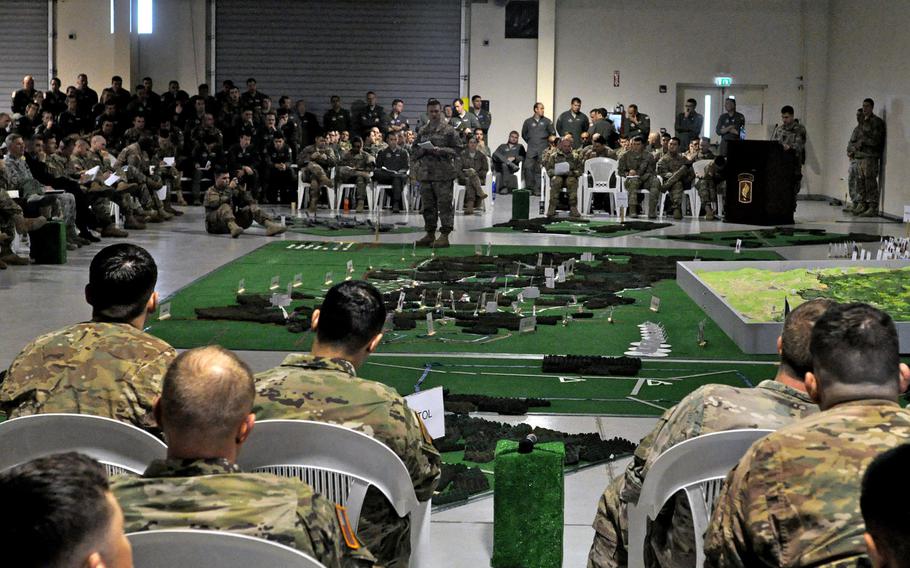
484	118
794	499
230	208
370	115
637	165
243	162
536	131
336	118
205	412
868	156
434	151
636	123
688	124
324	386
356	166
602	125
392	165
107	366
62	515
792	136
730	125
506	162
137	158
886	511
252	97
676	174
711	408
280	180
573	122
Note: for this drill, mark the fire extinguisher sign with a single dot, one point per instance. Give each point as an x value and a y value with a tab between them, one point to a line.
616	78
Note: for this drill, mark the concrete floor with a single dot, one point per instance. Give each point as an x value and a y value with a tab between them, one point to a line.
37	299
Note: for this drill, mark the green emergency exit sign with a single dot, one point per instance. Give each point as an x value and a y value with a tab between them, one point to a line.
723	81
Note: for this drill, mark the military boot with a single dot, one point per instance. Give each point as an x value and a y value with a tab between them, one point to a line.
551	210
359	208
26	225
235	229
427	239
72	239
170	209
677	213
111	231
709	212
574	213
469	208
870	210
165	216
180	199
632	211
479	203
442	241
154	217
8	257
133	224
272	228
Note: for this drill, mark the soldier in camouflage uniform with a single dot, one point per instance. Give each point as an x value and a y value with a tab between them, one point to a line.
636	165
136	156
436	175
12	221
568	181
317	160
356	166
712	182
125	194
711	408
792	135
324	387
170	175
852	172
794	498
189	491
136	132
677	173
229	208
868	156
106	367
472	167
597	149
98	194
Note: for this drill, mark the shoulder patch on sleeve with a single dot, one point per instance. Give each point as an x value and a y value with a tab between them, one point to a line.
350	538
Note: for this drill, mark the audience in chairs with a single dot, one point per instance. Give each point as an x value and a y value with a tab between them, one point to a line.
205	412
711	408
794	498
324	386
61	514
107	366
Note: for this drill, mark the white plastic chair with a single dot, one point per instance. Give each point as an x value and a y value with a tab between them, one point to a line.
544	190
697	467
212	549
303	190
382	191
458	193
341	464
120	447
598	172
644	194
350	189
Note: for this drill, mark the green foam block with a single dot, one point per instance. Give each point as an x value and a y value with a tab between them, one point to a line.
528	506
48	244
521	204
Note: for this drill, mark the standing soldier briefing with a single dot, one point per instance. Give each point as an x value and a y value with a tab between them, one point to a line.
435	148
868	156
792	135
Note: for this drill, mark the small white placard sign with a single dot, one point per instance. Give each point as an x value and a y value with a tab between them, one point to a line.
275	282
165	311
739	246
429	406
906	213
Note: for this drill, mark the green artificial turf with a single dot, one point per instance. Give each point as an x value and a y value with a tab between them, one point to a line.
772	237
679	314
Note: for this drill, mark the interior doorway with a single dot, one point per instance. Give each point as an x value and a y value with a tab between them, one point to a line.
750	100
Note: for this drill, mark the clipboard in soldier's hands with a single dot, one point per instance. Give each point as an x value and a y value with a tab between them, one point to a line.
561	169
426	145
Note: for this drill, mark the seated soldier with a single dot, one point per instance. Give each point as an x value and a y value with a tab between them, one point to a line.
636	165
205	412
356	166
506	162
375	144
12	221
886	511
166	148
597	149
676	173
65	515
137	131
392	166
280	182
106	367
472	168
793	499
710	408
317	160
99	195
206	154
229	208
324	386
482	142
563	176
137	159
125	193
243	162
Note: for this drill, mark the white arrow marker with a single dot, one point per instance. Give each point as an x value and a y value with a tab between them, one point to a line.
571	380
656	383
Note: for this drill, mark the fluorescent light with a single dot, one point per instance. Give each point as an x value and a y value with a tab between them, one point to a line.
706	125
112	16
144	16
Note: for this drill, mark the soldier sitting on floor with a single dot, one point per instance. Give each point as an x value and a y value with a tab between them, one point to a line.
229	208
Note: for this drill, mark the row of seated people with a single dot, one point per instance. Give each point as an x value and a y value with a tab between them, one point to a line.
205	401
794	497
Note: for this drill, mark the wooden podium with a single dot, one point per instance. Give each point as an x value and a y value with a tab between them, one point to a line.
761	179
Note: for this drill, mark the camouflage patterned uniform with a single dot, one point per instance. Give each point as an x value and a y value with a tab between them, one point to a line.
327	390
472	172
356	168
138	172
213	494
132	135
868	156
643	164
853	145
98	368
21	179
223	206
707	186
10	211
793	499
589	152
436	174
711	408
793	136
317	162
677	173
568	181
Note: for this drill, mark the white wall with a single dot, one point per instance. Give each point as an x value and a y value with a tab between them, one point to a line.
505	71
92	51
868	58
176	49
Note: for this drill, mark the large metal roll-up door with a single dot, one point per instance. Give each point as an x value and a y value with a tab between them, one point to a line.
23	44
312	49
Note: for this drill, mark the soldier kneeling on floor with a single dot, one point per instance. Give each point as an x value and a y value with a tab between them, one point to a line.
230	208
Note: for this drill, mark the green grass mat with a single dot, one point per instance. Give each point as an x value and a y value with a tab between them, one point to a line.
680	315
773	237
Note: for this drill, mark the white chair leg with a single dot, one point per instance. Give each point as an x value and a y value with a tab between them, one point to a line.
458	197
371	197
420	535
720	204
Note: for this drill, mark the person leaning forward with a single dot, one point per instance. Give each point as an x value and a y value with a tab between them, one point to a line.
205	411
568	180
324	387
435	148
229	208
